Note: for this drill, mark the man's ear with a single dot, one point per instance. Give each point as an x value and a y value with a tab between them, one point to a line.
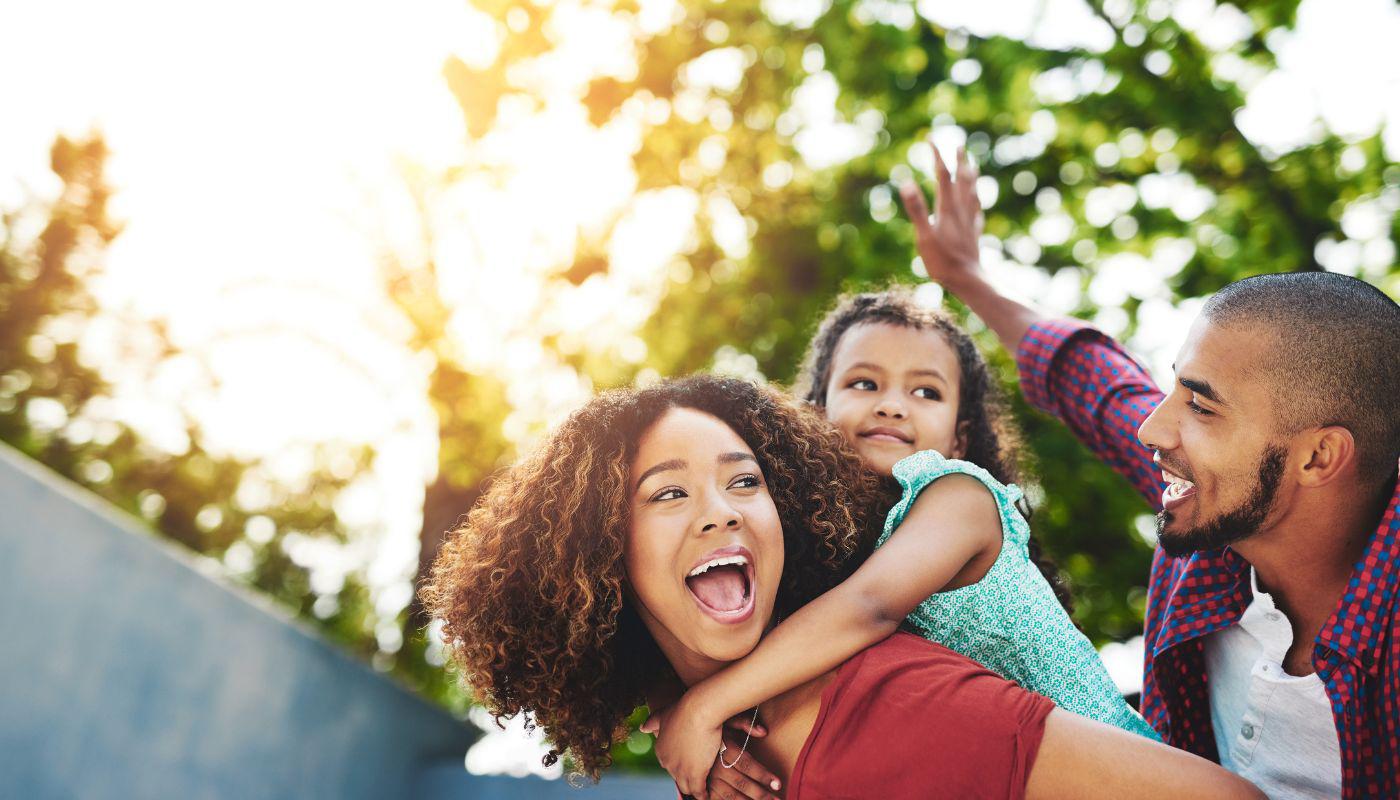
1328	452
960	440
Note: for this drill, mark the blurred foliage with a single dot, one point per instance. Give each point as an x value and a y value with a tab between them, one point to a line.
251	525
1134	150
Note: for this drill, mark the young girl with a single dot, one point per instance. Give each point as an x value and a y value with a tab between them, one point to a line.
904	386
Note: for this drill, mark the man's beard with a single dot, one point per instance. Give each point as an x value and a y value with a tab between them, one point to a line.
1231	526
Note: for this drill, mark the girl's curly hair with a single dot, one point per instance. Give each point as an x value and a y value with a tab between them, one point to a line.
993	438
531	589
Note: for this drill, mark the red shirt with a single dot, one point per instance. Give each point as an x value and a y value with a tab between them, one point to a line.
910	718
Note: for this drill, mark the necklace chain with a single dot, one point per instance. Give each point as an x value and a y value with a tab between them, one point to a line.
743	749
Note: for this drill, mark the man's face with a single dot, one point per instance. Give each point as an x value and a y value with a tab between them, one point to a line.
1217	443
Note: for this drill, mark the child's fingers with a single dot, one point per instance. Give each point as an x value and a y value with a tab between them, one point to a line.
743	723
652	724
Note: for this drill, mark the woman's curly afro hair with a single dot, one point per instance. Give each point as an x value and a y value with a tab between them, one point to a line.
531	589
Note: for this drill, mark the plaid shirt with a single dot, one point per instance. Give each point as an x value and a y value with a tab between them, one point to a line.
1087	380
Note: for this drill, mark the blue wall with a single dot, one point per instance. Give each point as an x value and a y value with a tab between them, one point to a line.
129	673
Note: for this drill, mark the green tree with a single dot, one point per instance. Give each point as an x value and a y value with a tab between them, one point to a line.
1119	171
1128	158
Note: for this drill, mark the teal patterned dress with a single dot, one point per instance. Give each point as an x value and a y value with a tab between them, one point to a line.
1010	621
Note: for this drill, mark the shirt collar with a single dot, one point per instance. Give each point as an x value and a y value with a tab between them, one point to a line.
1209	593
1357	628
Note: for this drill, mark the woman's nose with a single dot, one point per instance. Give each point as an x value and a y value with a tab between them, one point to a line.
719	513
730	523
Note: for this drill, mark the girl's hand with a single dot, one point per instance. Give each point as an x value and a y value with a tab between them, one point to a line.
687	745
948	243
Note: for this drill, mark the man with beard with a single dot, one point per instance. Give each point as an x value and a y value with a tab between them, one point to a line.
1273	618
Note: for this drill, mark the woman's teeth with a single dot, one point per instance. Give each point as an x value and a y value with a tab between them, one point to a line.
737	561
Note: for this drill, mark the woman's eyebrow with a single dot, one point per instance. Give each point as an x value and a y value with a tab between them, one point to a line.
664	466
730	458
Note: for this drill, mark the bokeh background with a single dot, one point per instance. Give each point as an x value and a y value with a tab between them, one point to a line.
290	281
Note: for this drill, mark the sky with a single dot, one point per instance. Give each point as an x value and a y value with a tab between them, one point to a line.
267	154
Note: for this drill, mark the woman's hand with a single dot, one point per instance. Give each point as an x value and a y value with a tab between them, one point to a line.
687	744
746	779
947	244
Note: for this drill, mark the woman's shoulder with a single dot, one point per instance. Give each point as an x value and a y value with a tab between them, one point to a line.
906	662
901	680
907	711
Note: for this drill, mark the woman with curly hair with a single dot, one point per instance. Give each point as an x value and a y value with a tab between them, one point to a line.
659	533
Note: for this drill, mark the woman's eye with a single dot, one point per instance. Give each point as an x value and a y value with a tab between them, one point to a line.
668	494
745	482
928	393
864	384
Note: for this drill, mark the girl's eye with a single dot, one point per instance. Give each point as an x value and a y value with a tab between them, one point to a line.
864	384
670	493
746	482
928	393
1197	409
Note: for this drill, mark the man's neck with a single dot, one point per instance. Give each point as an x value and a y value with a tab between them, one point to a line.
1305	560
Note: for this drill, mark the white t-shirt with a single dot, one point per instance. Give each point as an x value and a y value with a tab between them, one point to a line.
1272	728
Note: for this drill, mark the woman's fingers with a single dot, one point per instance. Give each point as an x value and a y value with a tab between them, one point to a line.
737	787
753	771
746	779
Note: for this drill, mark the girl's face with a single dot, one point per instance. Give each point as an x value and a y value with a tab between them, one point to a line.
893	391
704	551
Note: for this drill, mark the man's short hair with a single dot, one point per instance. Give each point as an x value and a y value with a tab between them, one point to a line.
1335	359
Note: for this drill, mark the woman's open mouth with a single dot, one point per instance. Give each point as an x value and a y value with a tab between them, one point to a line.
722	584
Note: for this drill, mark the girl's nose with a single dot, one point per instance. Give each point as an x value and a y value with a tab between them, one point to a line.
890	408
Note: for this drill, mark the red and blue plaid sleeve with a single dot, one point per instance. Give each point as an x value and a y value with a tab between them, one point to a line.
1087	380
